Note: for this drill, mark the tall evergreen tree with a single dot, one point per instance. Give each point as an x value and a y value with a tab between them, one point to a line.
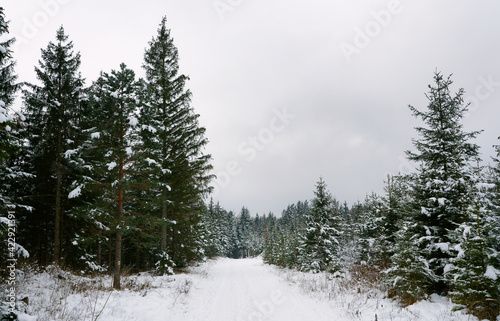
114	169
53	112
11	141
441	189
178	141
9	123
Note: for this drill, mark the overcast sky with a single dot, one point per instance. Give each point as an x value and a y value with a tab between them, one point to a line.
292	90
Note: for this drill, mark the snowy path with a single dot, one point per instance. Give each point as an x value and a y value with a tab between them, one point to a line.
222	290
246	290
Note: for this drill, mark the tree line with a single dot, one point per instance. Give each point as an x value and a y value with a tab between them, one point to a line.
107	175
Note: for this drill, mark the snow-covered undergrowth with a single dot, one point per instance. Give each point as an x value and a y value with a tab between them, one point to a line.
54	294
221	290
361	298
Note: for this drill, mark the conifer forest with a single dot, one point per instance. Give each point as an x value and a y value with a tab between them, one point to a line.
111	174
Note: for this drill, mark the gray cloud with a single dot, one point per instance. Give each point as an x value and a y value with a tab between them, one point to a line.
352	124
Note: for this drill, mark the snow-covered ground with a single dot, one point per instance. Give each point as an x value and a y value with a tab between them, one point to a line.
220	290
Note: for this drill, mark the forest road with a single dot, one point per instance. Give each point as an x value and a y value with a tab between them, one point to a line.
247	290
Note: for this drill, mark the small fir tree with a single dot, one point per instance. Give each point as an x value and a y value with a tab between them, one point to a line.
472	273
319	241
408	276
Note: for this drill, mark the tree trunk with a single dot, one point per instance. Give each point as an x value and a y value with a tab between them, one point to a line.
118	244
58	210
163	242
118	261
99	251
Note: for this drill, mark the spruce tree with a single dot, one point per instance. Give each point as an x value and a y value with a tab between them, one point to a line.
243	232
319	245
115	173
176	140
369	249
440	191
11	141
409	275
9	123
493	177
393	210
217	237
473	272
53	111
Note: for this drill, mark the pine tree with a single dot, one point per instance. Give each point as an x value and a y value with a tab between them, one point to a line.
440	191
176	140
319	241
53	111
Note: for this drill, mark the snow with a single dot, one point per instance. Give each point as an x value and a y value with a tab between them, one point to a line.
485	186
442	201
133	121
149	128
70	152
21	251
3	113
466	230
25	317
221	290
111	165
95	135
2	49
491	273
75	193
444	247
